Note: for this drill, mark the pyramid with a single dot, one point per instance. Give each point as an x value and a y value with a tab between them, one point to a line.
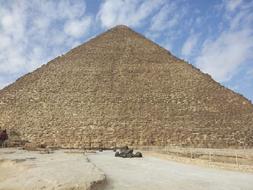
123	89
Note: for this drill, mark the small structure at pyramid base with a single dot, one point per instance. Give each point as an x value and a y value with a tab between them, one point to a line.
122	89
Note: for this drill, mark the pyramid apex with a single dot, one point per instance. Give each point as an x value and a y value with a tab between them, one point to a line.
121	26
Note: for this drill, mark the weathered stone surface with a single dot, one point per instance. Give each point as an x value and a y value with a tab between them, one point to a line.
25	170
120	88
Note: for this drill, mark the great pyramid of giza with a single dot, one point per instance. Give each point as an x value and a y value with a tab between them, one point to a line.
122	89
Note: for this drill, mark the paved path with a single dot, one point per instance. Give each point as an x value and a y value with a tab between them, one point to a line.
151	173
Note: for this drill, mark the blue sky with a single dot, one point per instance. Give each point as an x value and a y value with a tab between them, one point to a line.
215	36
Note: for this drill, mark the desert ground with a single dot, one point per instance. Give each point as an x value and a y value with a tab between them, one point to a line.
65	170
72	169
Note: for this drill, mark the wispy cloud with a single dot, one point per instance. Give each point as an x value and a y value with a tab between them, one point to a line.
249	73
132	12
222	56
166	24
231	5
32	32
162	20
189	45
77	27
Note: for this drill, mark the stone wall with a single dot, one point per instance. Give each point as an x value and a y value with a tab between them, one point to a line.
122	89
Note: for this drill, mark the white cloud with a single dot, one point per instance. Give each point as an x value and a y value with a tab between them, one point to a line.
165	26
231	5
249	73
189	45
160	20
168	17
131	12
77	28
33	32
221	57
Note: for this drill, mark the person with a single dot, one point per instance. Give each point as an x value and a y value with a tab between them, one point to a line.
3	138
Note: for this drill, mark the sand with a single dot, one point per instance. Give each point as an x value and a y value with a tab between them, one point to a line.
23	170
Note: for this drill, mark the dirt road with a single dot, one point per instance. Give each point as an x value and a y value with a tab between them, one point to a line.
150	173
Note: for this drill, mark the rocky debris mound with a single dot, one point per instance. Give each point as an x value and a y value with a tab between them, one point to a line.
126	152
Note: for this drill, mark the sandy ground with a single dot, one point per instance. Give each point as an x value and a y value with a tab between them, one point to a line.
150	173
65	170
23	170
